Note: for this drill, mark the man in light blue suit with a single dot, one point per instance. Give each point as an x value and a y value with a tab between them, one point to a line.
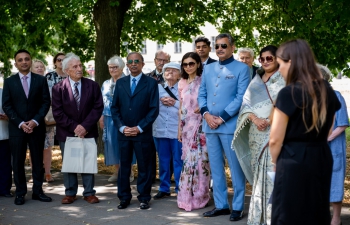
220	97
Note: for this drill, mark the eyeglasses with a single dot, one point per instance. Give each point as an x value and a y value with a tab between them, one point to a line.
60	60
113	67
136	61
217	46
268	59
191	64
162	60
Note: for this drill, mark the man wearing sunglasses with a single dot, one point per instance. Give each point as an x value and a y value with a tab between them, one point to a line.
134	109
220	97
203	49
246	55
161	58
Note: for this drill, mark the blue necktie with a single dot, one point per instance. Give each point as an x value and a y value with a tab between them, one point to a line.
133	86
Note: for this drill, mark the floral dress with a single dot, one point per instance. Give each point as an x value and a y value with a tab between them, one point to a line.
195	175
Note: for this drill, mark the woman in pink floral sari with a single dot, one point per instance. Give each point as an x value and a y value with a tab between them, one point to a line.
195	175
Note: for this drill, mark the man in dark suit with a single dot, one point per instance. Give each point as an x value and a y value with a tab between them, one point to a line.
203	49
134	109
26	101
76	106
246	55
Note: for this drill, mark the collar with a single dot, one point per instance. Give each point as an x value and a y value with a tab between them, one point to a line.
138	77
206	61
72	82
175	85
157	73
227	61
28	75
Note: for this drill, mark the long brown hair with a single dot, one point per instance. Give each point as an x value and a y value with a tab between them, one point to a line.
303	70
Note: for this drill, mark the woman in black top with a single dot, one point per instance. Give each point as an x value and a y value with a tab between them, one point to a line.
302	120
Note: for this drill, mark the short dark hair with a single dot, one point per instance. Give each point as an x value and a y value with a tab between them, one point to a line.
197	58
202	39
131	53
226	35
21	51
55	58
269	48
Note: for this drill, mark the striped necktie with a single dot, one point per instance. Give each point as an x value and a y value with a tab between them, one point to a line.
76	94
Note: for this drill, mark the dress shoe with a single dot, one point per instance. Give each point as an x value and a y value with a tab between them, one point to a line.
123	204
236	215
69	199
8	195
217	212
91	199
144	204
19	200
41	197
160	195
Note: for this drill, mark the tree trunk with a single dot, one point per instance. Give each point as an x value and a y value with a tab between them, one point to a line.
108	22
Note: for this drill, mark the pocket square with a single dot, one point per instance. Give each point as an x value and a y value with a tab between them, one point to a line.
229	77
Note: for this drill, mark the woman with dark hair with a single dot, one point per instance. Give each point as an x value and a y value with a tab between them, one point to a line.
195	175
252	135
302	121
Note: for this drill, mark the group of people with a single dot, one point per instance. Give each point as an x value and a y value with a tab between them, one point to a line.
197	116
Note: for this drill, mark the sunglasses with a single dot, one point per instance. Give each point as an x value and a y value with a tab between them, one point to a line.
59	60
267	58
136	61
224	46
191	64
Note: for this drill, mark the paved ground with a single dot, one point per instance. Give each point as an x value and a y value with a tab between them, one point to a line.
163	211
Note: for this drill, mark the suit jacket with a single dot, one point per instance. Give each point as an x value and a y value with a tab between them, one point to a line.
66	113
210	60
19	108
159	79
138	109
255	68
221	93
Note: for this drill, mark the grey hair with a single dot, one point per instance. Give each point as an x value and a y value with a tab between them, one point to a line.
249	50
326	73
161	51
225	35
116	60
67	59
39	61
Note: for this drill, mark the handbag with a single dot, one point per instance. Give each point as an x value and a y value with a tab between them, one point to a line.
49	120
80	155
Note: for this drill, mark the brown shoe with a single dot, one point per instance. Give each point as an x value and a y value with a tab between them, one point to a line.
91	199
69	199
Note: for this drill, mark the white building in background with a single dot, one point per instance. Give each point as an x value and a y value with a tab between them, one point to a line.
176	49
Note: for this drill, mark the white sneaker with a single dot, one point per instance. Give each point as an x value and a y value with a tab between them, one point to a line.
113	178
131	178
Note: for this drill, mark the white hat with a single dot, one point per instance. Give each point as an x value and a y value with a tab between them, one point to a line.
172	65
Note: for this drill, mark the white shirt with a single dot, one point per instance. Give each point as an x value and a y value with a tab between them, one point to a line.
72	82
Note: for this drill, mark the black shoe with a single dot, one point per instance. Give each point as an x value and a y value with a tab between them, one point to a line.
160	195
236	215
19	200
123	204
41	197
216	212
144	204
9	195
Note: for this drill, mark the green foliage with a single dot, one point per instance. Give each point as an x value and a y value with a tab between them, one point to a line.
324	23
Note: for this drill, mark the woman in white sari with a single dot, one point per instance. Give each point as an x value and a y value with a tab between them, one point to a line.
252	135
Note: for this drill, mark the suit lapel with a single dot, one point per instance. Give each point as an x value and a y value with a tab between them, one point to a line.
85	92
18	85
68	93
32	85
126	85
142	84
